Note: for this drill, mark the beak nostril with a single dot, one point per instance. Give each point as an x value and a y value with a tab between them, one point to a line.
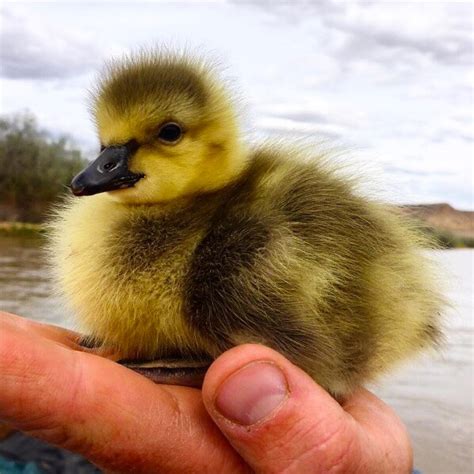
110	166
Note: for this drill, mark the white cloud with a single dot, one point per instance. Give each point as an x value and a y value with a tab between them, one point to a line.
31	48
387	32
391	80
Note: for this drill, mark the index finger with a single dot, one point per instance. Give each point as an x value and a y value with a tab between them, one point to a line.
58	334
116	418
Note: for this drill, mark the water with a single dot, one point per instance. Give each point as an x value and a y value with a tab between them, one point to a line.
434	395
25	288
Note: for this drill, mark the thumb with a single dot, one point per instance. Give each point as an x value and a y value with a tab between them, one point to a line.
276	417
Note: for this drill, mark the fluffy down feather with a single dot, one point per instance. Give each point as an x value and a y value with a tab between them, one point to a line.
221	244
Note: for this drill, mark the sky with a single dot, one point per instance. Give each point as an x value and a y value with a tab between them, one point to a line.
390	82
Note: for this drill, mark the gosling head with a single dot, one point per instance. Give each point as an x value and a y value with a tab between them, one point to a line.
167	130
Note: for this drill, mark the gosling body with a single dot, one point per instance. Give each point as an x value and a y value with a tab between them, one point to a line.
266	246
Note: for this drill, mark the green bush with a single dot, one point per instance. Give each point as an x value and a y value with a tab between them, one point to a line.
448	240
34	168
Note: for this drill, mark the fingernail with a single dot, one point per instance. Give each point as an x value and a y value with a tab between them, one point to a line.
252	393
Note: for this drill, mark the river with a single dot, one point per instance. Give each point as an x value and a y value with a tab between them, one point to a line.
433	395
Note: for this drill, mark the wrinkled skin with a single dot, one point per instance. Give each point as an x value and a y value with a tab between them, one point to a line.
70	396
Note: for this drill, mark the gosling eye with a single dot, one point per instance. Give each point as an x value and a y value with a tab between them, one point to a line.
170	133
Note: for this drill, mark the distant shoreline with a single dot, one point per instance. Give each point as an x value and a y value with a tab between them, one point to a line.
444	238
451	227
21	229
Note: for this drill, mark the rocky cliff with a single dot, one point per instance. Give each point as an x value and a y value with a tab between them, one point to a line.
443	217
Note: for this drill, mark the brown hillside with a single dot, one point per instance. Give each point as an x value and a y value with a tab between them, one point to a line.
444	217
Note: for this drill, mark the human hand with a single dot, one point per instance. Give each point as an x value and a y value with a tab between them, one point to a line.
256	412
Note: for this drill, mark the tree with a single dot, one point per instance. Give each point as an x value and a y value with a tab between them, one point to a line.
34	168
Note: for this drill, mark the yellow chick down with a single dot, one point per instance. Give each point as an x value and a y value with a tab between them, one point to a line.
186	241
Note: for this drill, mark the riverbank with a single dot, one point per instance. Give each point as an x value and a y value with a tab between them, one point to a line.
22	229
443	238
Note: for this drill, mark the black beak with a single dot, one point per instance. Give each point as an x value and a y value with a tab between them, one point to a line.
107	172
